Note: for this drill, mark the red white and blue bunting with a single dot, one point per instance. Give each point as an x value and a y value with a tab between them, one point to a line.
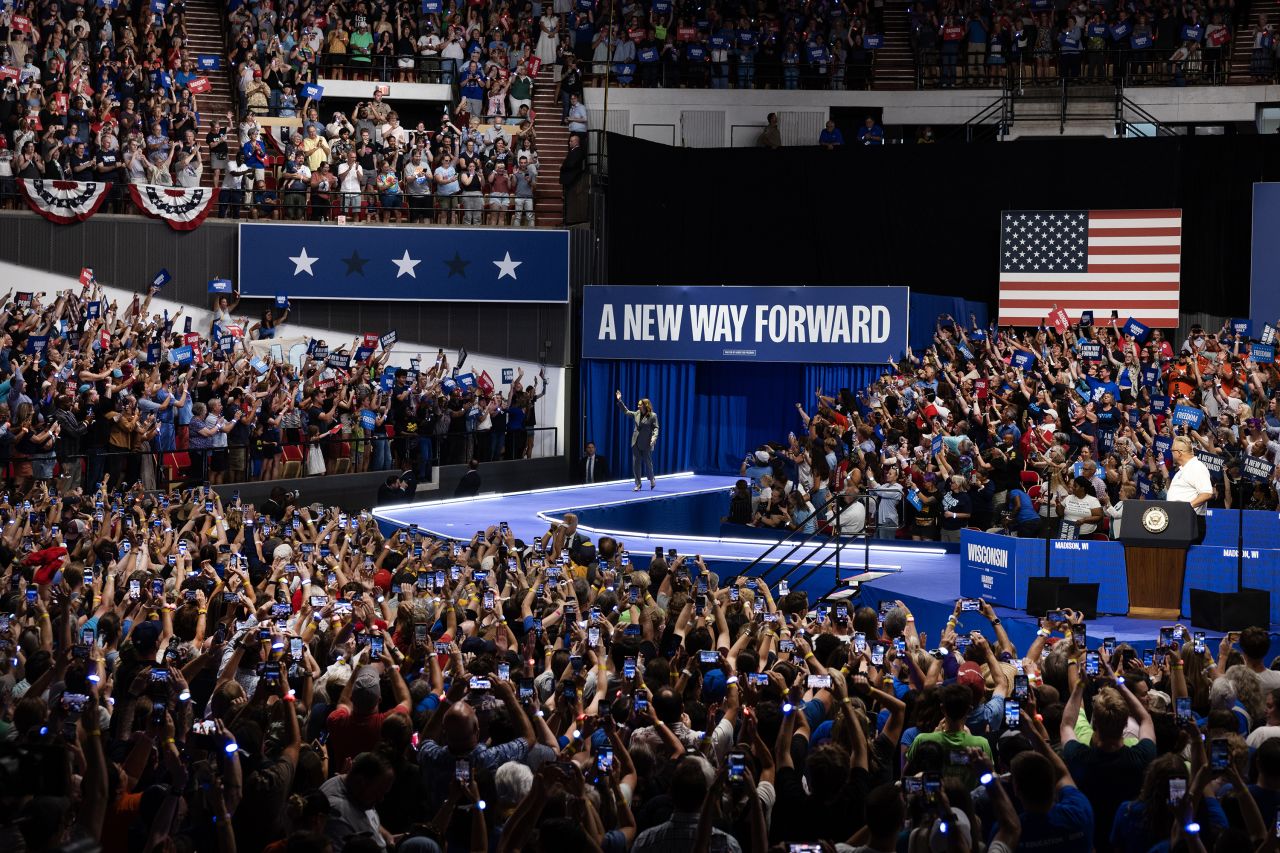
64	202
183	208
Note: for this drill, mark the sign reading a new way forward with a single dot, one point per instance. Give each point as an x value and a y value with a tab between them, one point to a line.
376	262
866	325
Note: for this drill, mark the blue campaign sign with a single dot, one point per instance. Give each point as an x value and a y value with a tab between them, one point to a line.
419	264
1268	335
1188	416
1024	359
312	91
935	446
1121	31
368	418
1135	329
93	310
508	375
1242	326
1150	376
1140	42
161	278
1159	404
36	344
1263	353
695	53
1163	447
825	325
432	7
282	302
873	41
1190	33
989	569
388	339
153	353
1091	351
220	285
209	62
466	381
182	355
387	380
1098	30
647	54
1086	319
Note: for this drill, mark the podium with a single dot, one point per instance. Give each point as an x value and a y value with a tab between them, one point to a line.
1156	538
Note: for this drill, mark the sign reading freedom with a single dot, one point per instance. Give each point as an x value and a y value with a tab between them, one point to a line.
865	325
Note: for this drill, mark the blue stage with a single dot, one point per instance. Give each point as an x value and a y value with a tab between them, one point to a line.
684	513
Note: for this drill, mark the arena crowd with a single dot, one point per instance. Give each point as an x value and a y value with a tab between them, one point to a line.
90	387
1021	432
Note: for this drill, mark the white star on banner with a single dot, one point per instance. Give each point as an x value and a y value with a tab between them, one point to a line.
405	265
302	263
506	266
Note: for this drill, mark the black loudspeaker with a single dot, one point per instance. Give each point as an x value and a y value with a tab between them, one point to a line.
1042	594
1080	597
1230	611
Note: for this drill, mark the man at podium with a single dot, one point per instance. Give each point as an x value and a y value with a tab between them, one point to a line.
1191	484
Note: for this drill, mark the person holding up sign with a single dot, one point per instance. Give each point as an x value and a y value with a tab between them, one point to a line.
643	439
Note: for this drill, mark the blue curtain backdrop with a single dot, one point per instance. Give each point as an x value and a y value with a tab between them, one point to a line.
710	414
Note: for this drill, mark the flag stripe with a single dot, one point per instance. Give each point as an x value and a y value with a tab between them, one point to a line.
1086	278
1173	242
1128	233
1086	304
1101	260
1130	261
1139	267
1119	293
1128	248
1095	215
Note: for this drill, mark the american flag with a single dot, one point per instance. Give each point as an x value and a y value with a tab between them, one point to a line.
1090	260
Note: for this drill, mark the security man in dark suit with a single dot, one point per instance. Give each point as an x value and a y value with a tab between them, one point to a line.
593	468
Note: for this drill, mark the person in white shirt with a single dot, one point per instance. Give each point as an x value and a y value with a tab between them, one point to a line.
852	520
351	182
1081	507
1191	484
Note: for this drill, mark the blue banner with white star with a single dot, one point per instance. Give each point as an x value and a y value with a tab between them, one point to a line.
382	262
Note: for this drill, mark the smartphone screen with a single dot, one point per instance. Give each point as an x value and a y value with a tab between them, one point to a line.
1177	790
1219	754
737	768
1183	707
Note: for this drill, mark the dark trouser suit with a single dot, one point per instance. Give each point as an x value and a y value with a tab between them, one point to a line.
641	461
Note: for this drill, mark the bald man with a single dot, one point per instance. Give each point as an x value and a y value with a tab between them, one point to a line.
452	736
1192	483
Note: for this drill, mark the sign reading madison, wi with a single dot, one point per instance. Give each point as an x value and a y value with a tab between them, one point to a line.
804	324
